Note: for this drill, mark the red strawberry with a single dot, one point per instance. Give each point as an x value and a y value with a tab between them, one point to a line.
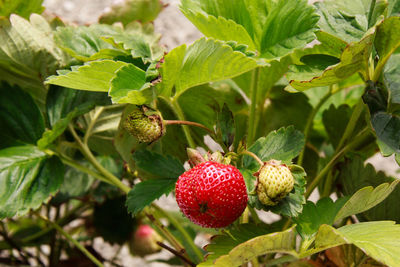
212	194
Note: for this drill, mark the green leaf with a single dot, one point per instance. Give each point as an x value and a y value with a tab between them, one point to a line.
354	176
387	39
49	136
28	178
226	126
75	184
289	25
202	103
269	75
365	199
378	240
202	62
222	244
393	8
276	28
93	76
130	10
392	79
21	121
61	101
166	166
112	222
28	54
387	127
144	193
86	43
346	21
63	105
222	28
385	124
102	122
129	86
314	65
284	145
284	109
353	59
240	13
174	142
335	120
315	215
282	242
140	39
325	211
20	7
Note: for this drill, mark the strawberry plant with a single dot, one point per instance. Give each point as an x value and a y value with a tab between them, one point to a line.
280	99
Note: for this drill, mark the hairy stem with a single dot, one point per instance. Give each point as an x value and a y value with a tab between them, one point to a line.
358	109
254	156
371	11
190	123
62	221
254	215
166	233
179	113
176	253
72	240
251	129
182	230
82	168
91	158
360	138
91	125
309	124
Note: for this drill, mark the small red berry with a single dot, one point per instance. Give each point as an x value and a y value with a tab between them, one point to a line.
212	194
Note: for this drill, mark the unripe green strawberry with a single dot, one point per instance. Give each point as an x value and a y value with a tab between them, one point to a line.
144	241
275	181
145	124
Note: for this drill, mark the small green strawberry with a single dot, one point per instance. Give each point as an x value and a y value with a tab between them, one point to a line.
274	182
145	124
144	241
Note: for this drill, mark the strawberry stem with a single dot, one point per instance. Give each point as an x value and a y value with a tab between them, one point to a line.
176	253
254	156
190	123
179	113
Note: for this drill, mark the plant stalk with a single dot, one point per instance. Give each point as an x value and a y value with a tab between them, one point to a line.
72	240
254	215
310	121
82	168
190	123
254	156
253	105
91	125
166	233
182	230
358	109
176	253
357	140
179	113
91	158
62	221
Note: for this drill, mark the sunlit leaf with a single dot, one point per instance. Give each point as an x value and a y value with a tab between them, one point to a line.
202	62
28	178
93	76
